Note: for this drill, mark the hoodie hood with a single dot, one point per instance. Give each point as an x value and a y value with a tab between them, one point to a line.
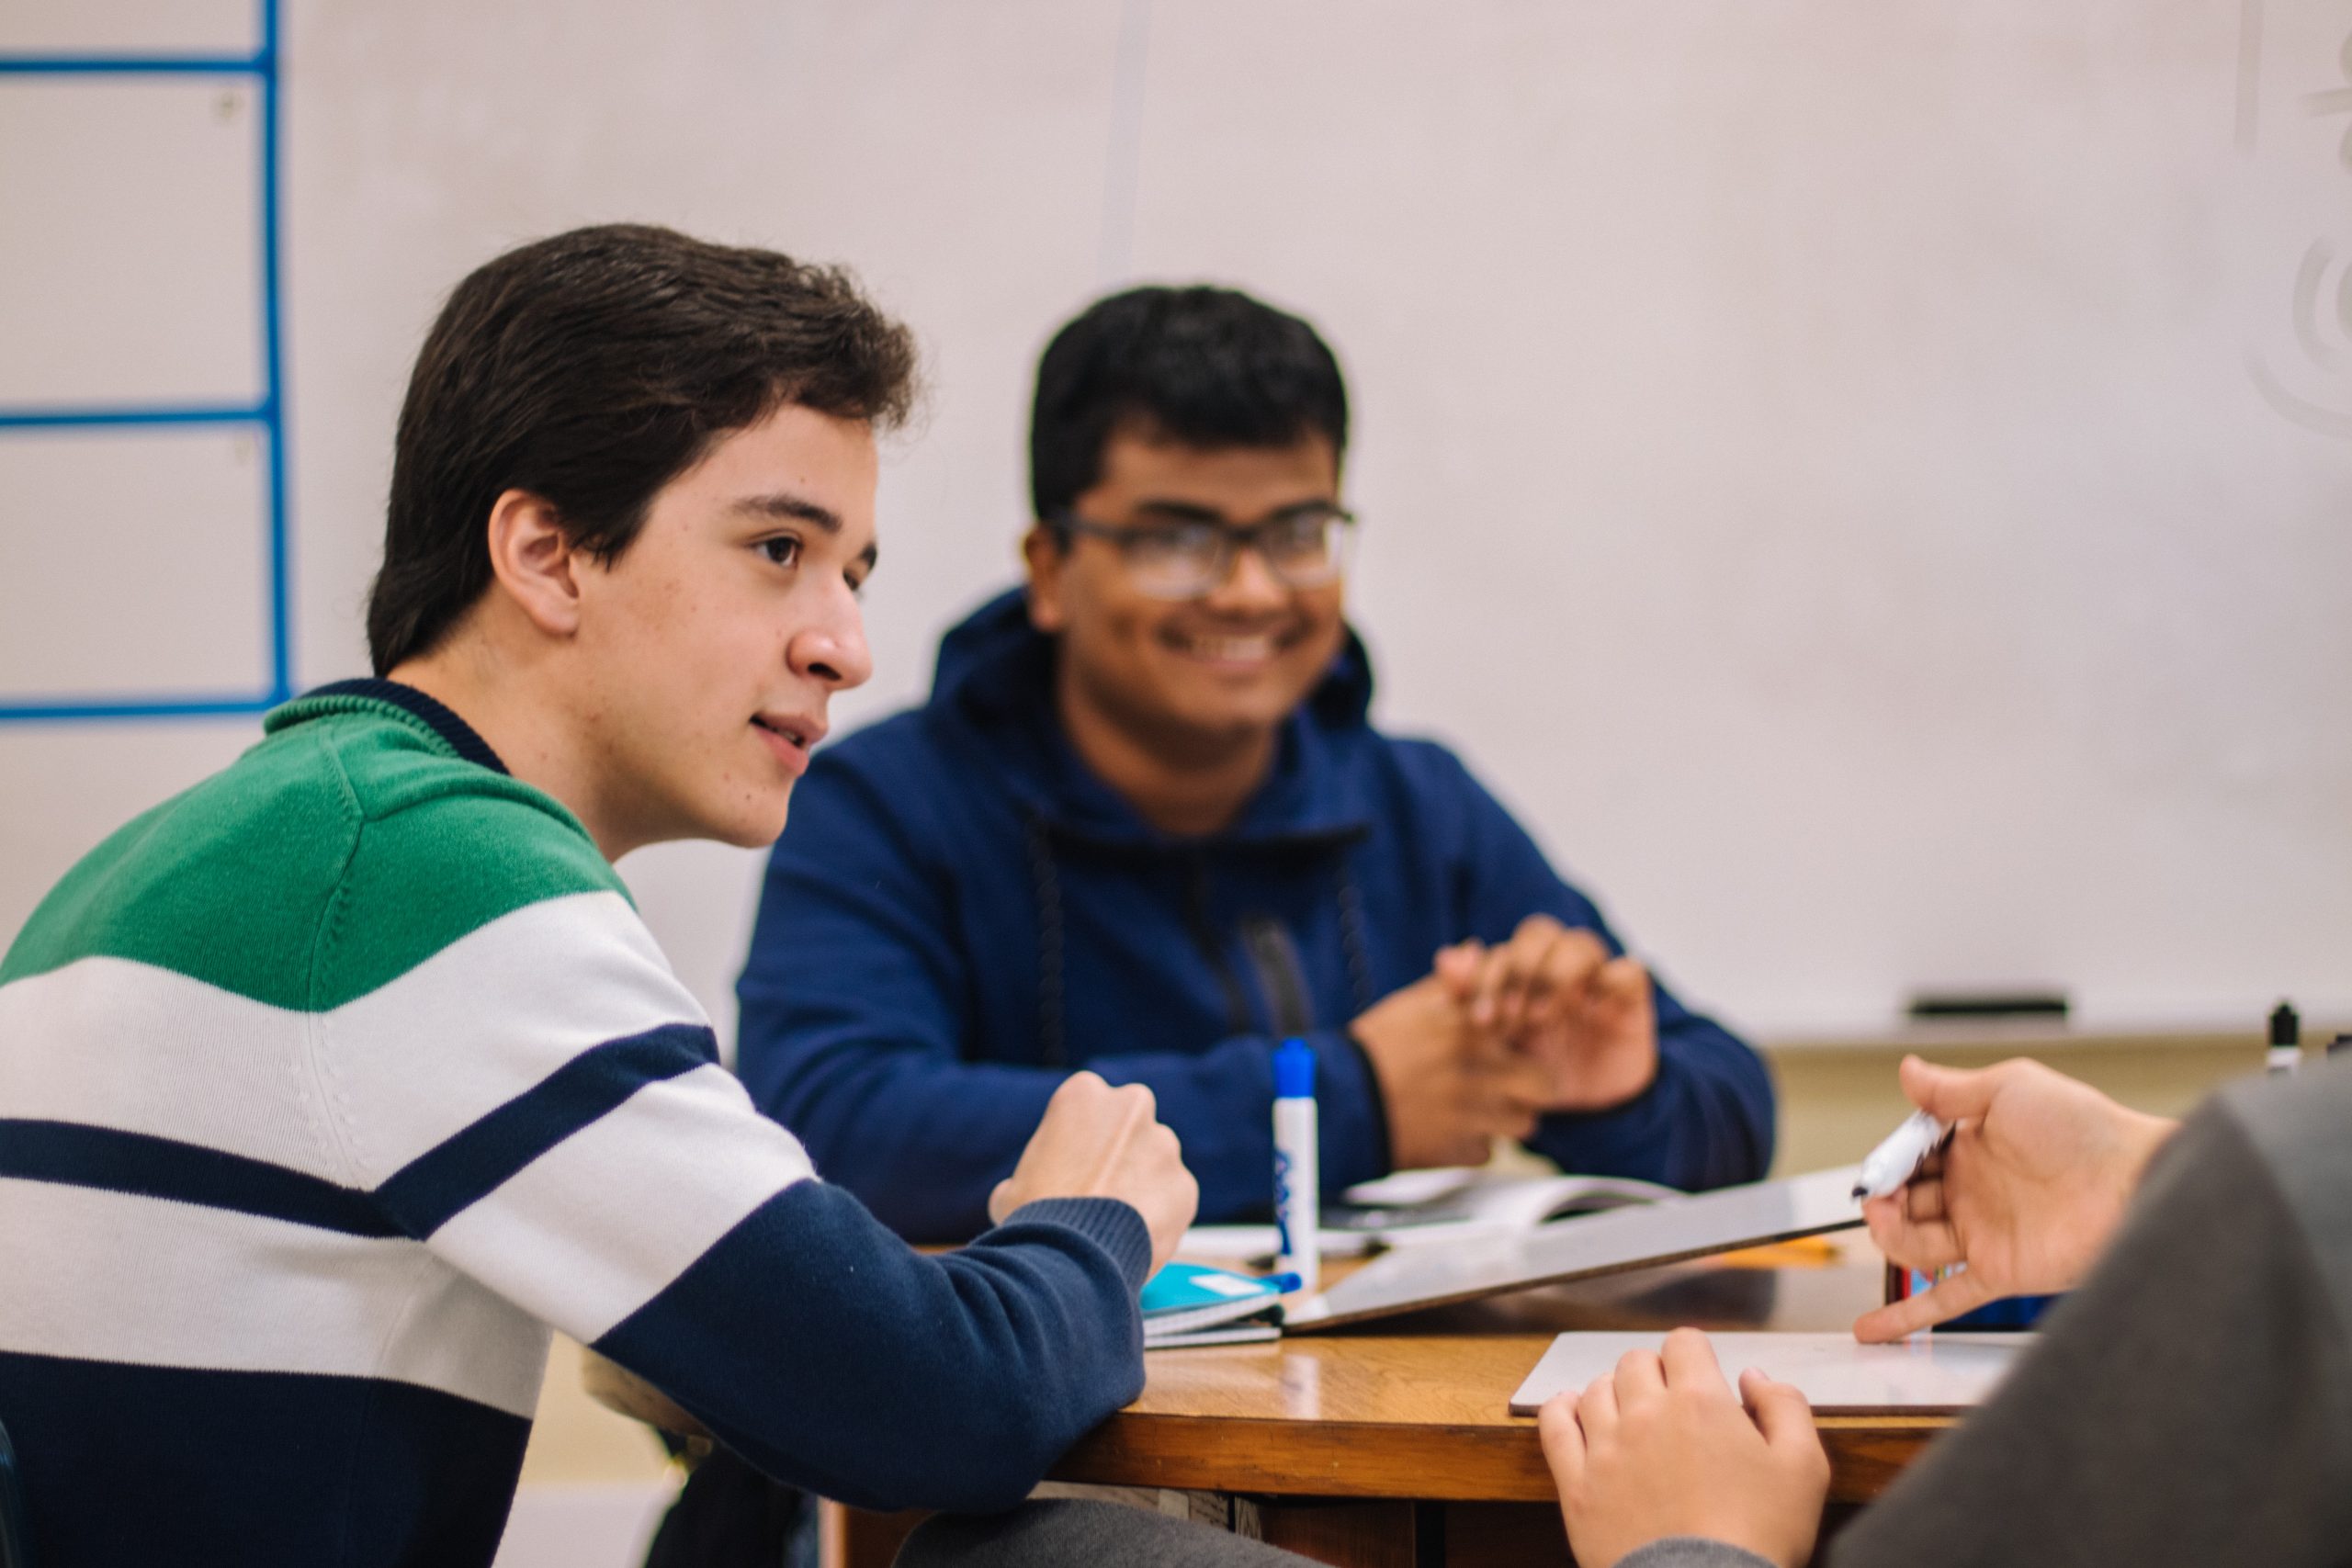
996	675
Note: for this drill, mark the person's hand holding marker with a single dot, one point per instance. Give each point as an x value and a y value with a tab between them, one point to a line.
2032	1182
1664	1448
1558	998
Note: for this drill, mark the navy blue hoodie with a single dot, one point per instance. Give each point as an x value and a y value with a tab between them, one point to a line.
961	912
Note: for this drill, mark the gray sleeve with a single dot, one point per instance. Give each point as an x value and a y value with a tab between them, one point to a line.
2190	1403
1691	1551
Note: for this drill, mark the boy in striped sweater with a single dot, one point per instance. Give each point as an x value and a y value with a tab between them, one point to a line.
329	1087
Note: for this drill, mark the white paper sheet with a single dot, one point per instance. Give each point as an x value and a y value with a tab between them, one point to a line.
1927	1374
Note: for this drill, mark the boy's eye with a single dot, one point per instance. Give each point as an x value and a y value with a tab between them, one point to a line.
783	550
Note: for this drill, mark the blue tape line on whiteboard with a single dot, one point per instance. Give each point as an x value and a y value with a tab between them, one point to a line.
80	418
281	632
84	709
269	413
132	65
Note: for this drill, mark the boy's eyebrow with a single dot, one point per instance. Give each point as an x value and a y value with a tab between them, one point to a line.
1179	511
784	504
1193	512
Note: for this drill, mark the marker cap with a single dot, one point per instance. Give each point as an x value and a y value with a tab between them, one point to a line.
1294	1070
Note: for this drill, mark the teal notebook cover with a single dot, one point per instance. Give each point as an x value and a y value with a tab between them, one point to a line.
1187	1296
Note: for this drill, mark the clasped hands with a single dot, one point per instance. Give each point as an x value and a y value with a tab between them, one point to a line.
1493	1037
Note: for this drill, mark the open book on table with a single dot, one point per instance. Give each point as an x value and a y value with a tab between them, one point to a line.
1418	1206
1421	1205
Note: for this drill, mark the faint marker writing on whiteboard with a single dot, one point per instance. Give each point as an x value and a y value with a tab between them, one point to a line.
2313	387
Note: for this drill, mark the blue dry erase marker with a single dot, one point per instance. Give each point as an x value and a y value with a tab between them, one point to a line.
1298	1212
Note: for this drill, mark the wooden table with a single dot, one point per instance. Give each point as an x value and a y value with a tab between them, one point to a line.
1391	1446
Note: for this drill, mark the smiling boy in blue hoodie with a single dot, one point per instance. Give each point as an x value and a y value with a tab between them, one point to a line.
1144	826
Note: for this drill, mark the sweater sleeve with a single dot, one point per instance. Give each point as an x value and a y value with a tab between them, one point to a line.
2191	1404
1691	1551
540	1103
1706	1118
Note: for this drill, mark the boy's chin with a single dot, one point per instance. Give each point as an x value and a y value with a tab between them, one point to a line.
753	826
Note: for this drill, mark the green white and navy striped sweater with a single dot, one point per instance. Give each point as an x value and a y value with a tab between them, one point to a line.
327	1088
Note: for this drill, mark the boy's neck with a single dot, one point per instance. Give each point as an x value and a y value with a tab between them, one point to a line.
501	699
1181	782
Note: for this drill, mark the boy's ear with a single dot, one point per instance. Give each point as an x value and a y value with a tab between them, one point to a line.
532	562
1043	552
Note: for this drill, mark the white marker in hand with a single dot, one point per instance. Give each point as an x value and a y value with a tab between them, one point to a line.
1898	1159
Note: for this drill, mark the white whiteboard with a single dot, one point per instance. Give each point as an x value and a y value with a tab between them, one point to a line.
1815	456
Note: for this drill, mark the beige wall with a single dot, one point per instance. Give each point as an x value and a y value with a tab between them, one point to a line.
594	1483
578	1441
1838	1100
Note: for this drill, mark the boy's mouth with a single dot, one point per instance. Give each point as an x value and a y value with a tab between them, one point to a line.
1232	647
800	733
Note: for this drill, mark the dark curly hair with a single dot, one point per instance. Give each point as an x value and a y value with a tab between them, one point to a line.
591	369
1201	366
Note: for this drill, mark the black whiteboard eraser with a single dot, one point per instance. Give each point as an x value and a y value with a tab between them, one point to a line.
1944	1007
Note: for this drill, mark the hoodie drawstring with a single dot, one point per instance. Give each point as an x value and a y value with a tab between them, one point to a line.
1045	879
1352	939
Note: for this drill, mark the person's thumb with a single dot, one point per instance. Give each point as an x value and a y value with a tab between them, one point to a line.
1781	1412
1457	968
1948	1094
1622	982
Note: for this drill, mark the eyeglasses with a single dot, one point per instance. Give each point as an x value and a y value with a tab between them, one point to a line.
1305	547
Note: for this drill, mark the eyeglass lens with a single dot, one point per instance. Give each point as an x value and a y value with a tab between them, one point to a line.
1185	559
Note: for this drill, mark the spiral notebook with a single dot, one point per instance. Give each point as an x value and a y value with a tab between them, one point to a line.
1188	1303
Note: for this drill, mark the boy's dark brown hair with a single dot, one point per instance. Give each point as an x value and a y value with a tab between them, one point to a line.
1201	366
591	369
